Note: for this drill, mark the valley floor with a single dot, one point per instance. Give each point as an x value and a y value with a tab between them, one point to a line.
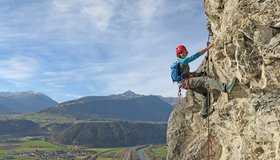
35	149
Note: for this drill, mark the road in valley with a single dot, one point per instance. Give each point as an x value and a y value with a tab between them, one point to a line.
127	155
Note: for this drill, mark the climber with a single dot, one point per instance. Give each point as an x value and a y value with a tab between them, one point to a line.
197	82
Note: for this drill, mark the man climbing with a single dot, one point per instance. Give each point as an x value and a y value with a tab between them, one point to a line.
197	82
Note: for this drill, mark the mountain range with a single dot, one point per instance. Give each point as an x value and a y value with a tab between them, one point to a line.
124	107
125	119
127	106
129	94
15	102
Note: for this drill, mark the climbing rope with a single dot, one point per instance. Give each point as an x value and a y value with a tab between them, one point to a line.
211	152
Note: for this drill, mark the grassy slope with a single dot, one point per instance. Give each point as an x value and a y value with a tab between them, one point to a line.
159	151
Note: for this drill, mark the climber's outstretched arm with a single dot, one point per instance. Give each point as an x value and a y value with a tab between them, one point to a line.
189	59
206	49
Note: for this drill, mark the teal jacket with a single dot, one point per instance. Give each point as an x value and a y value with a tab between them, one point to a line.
185	69
189	59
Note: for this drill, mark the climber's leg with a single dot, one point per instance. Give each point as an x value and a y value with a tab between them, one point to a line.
202	92
207	83
204	107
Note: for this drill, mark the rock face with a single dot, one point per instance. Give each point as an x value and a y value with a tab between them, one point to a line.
245	124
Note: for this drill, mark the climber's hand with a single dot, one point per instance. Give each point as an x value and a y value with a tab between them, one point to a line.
210	45
206	49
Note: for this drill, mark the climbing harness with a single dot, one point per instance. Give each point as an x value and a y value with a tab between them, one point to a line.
211	152
183	84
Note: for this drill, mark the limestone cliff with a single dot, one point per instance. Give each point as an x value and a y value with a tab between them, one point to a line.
245	124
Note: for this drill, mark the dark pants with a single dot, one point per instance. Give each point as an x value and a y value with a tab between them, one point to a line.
202	85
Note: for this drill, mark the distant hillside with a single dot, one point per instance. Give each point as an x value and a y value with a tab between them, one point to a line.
53	128
4	109
129	94
126	95
112	134
24	102
18	128
116	107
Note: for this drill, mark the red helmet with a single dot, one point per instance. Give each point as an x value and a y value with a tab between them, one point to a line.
180	48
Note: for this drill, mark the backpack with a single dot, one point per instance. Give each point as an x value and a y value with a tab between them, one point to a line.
175	72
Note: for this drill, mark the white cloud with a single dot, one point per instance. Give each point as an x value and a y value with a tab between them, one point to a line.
149	9
99	14
82	72
102	46
18	68
61	6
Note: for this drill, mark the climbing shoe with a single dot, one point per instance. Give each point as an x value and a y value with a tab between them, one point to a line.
230	84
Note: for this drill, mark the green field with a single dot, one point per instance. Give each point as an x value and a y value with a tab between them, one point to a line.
39	117
40	145
159	151
13	150
108	153
47	118
29	146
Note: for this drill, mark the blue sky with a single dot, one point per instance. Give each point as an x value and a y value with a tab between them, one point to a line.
73	48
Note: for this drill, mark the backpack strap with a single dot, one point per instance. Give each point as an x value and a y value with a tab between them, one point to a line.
184	71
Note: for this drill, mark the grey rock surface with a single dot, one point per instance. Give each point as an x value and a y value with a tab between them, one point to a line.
245	124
